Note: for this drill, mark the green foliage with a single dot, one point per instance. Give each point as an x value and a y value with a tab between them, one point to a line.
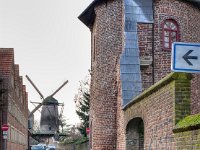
189	123
82	100
77	141
81	140
64	128
72	136
83	113
192	120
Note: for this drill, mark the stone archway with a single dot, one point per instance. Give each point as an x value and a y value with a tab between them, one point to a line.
135	134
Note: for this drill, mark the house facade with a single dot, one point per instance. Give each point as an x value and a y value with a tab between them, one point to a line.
14	103
136	102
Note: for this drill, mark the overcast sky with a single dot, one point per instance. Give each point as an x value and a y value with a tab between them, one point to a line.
51	45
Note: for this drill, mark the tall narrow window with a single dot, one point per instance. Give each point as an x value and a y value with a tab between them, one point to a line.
170	33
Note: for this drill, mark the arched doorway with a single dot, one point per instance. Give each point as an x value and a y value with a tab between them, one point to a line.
135	134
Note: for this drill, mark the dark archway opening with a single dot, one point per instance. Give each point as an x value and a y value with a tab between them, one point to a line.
135	134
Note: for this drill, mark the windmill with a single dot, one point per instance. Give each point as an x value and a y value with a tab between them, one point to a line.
50	118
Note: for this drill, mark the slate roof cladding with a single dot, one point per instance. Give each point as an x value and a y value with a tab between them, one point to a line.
136	11
88	15
194	1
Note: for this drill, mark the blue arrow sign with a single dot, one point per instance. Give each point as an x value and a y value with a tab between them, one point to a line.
185	57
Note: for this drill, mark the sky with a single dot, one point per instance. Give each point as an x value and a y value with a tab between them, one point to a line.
51	45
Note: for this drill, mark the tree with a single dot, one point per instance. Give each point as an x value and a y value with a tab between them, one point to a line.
82	100
73	137
64	128
83	113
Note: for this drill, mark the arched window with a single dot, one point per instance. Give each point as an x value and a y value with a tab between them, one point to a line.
170	33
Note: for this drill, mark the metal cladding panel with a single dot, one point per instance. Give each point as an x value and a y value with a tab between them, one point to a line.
136	11
131	43
129	68
134	77
130	61
131	52
128	94
130	36
131	87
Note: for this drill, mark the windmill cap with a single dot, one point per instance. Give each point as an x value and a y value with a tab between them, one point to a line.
50	101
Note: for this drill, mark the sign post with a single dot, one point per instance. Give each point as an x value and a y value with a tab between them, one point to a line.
5	128
185	57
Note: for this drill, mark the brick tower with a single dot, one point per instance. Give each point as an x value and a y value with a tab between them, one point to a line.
104	18
131	50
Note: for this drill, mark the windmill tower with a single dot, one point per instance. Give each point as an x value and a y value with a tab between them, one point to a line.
50	118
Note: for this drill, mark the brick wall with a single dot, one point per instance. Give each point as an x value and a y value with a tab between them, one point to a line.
183	142
187	133
145	40
6	68
161	65
108	45
165	9
15	106
106	116
194	32
159	108
7	62
121	130
187	16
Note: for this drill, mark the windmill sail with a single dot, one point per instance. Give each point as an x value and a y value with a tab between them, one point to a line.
49	115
